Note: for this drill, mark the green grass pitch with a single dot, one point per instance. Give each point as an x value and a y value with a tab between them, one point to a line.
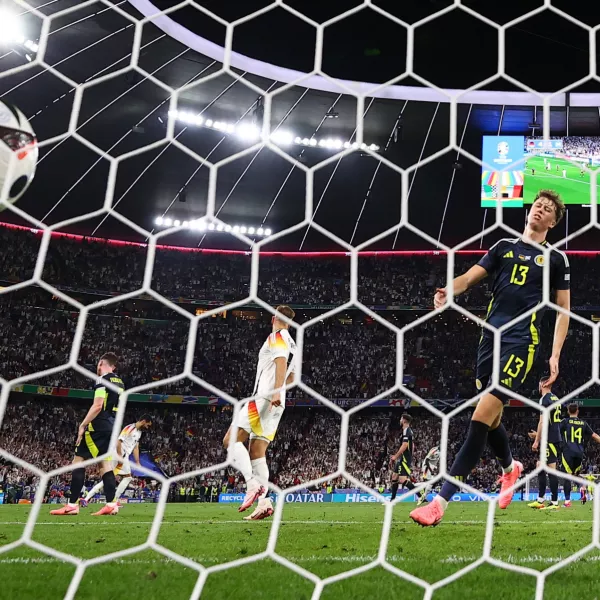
325	539
574	188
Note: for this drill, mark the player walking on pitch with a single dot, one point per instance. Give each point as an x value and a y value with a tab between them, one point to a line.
429	469
93	438
401	462
517	268
553	449
127	444
259	418
575	434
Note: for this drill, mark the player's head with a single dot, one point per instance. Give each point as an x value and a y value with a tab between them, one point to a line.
573	409
406	420
286	311
107	363
546	211
144	422
544	387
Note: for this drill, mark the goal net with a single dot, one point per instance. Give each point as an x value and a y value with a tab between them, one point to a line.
37	75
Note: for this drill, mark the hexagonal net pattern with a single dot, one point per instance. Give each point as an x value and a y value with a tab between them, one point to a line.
211	217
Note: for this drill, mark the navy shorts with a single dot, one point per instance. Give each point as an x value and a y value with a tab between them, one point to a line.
402	467
516	360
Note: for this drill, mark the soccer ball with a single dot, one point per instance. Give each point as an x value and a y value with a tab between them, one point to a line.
18	153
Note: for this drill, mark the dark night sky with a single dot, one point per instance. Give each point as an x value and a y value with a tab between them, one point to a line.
546	52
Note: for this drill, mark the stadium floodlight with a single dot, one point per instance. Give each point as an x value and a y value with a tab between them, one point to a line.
227	228
260	231
243	229
177	222
268	232
158	221
247	132
185	224
251	230
236	229
220	227
10	30
201	225
168	222
211	227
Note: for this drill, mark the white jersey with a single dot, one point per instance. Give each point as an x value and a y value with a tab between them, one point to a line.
431	462
278	345
130	436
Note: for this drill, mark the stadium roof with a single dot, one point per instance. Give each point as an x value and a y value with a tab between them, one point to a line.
355	196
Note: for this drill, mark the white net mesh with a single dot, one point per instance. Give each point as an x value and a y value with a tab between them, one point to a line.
267	138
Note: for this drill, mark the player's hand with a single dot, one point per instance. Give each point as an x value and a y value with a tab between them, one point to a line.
532	435
553	363
276	399
440	298
535	446
80	434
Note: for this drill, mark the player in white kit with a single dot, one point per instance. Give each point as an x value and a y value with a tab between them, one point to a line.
127	444
259	418
429	469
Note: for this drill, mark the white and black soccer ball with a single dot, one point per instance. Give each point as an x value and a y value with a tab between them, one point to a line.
18	153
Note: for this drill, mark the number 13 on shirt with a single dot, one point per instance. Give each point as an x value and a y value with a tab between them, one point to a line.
519	274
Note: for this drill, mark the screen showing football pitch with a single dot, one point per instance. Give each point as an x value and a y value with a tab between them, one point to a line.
532	164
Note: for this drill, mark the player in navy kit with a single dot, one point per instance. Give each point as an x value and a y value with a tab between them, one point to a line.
516	266
401	462
575	434
553	450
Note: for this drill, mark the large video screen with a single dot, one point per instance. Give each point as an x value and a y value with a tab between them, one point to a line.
556	164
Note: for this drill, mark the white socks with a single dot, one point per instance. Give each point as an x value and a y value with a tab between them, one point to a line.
260	472
241	460
97	488
443	502
509	468
122	487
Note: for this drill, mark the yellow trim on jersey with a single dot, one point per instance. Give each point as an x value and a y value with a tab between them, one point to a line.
553	448
90	427
568	468
535	338
91	445
405	465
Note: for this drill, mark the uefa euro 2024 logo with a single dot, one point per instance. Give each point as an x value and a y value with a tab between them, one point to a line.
503	149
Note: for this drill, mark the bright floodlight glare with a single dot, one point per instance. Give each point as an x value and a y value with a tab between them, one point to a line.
158	221
220	227
201	225
168	222
236	228
177	222
185	224
281	137
268	232
247	132
10	30
208	122
251	230
211	227
227	228
243	229
199	120
260	231
313	142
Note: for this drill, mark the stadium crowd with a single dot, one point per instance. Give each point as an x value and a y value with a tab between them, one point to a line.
42	431
582	146
105	269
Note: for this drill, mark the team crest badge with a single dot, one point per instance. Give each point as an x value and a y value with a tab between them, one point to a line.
539	260
478	384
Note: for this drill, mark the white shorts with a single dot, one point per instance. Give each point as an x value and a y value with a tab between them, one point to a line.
260	419
122	467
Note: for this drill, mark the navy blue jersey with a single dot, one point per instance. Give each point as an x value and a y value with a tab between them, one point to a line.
106	417
407	436
555	417
517	286
575	433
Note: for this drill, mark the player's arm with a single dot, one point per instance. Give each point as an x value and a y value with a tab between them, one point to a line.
93	412
561	328
280	369
596	438
461	284
538	434
136	453
400	452
472	277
